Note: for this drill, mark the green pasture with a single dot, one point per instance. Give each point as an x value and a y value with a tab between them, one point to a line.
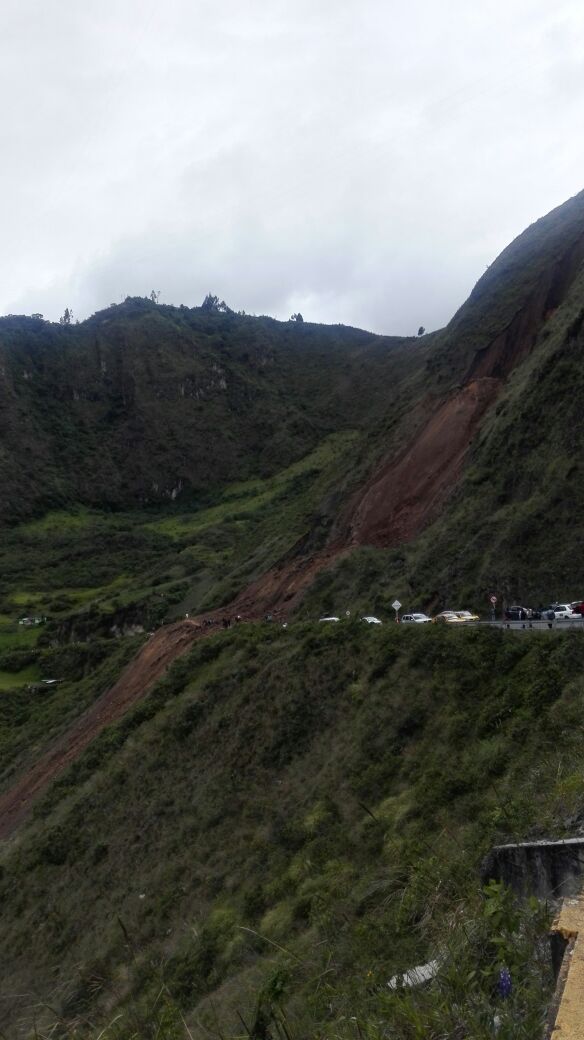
61	521
248	497
17	637
12	680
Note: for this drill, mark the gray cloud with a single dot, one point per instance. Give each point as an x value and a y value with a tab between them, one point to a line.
359	160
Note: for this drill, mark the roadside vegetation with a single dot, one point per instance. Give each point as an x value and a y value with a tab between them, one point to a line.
145	404
292	817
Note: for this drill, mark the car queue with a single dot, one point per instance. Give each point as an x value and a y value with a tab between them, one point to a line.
554	612
447	617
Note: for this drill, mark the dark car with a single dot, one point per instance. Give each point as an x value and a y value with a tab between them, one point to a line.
522	614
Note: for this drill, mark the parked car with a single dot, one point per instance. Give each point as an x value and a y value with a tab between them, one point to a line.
522	614
328	619
415	619
371	620
578	606
448	617
564	612
467	615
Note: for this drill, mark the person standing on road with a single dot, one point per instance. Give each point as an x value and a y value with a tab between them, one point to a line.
550	617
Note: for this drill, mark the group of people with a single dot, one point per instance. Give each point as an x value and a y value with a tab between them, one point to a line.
211	622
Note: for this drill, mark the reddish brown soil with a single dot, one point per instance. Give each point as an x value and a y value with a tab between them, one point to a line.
278	591
407	490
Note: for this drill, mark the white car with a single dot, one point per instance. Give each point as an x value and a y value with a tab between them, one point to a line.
371	620
328	619
563	612
415	619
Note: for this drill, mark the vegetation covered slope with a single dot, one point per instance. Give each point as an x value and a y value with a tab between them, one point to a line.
499	323
294	816
510	523
504	520
144	403
159	406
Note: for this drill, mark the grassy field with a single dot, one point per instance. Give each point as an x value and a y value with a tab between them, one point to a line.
17	637
239	500
58	521
21	677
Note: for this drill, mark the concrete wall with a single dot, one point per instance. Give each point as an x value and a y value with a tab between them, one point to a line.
546	869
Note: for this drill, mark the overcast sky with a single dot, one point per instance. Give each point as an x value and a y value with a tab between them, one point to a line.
361	161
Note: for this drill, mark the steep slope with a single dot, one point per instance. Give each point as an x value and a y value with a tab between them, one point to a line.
499	323
532	291
523	487
408	490
134	683
145	403
296	813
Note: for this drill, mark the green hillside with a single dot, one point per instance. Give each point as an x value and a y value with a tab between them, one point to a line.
144	403
292	815
519	292
509	524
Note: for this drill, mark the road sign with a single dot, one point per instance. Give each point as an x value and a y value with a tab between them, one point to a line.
396	604
493	599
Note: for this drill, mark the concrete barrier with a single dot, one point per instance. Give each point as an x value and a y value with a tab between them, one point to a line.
552	870
546	869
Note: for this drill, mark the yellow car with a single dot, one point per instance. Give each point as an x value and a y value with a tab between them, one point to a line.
448	617
467	615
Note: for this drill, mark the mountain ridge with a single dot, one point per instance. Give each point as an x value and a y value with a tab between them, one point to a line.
158	400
